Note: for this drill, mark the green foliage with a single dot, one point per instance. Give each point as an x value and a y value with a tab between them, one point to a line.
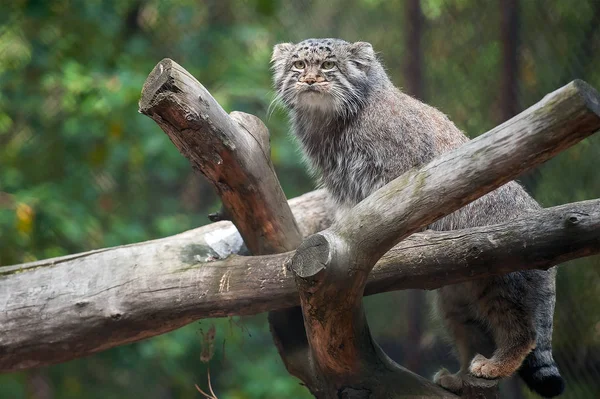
81	169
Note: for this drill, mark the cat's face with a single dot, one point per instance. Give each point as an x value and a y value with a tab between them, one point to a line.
324	75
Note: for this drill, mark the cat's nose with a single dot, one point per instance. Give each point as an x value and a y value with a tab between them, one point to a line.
310	80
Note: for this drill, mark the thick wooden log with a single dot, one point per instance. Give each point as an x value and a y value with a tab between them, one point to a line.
454	179
233	152
332	267
59	309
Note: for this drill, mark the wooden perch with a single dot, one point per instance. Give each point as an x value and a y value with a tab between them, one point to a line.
234	154
114	296
332	267
68	307
59	309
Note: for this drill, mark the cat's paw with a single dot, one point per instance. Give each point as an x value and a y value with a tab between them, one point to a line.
483	367
451	382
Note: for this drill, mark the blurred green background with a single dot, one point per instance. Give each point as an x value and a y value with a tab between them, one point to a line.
81	169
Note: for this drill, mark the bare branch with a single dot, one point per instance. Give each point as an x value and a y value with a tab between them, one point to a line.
541	240
63	308
234	154
456	178
332	267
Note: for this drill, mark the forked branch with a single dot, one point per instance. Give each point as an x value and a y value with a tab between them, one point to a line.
332	267
234	154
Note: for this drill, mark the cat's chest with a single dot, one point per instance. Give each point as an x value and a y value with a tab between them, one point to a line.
351	168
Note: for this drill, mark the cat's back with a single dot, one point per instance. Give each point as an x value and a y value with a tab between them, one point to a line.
409	133
398	121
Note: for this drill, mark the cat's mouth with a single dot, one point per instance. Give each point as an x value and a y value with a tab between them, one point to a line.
322	87
315	96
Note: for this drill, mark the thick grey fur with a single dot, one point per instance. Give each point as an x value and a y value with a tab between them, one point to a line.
358	132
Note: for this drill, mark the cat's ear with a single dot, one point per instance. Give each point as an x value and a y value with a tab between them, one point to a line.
281	50
362	54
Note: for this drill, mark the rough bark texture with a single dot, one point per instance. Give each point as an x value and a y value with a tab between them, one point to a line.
332	267
63	308
67	307
233	152
236	158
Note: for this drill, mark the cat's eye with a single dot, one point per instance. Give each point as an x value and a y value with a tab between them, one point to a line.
299	64
328	65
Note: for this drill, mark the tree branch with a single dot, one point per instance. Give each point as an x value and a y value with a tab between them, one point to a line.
63	308
59	309
431	260
234	154
454	179
332	267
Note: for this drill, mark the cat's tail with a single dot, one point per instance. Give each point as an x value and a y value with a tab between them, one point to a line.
539	370
540	373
